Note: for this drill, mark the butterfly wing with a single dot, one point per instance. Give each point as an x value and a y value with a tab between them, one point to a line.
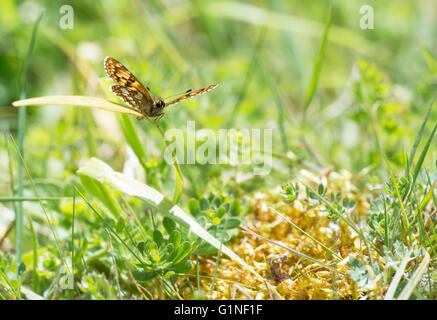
133	98
121	75
191	94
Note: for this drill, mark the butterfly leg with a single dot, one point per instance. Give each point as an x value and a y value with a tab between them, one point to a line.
159	118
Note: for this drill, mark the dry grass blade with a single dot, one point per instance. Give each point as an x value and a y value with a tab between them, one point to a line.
79	101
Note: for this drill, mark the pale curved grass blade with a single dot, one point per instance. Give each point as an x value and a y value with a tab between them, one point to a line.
79	101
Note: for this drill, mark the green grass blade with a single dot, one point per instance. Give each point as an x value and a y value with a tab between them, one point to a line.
395	184
421	129
21	134
179	182
423	155
103	193
318	66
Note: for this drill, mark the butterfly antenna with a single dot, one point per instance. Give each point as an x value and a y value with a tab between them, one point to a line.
154	95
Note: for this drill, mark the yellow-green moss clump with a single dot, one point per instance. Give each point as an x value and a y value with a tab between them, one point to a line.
293	276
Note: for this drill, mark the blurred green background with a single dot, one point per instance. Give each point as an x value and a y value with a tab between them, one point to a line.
262	53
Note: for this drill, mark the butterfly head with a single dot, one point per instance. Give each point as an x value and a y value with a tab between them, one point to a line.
159	103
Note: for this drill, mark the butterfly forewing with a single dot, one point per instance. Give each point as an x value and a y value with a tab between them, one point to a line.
121	75
191	94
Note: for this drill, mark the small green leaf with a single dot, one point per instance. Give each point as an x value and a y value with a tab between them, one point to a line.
320	189
204	204
175	238
182	267
193	207
169	225
158	238
182	252
144	276
235	208
221	212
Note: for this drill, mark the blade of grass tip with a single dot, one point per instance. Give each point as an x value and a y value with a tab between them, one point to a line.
421	129
318	67
422	156
21	134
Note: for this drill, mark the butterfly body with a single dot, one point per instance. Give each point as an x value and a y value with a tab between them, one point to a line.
137	95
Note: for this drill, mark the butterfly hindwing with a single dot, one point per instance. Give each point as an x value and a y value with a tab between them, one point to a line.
133	98
121	75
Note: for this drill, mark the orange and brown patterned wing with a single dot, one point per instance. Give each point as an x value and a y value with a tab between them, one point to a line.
121	75
191	94
133	98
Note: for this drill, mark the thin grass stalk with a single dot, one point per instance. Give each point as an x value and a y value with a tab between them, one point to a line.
21	134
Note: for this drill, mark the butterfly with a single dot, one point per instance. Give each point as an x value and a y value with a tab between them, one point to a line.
137	95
